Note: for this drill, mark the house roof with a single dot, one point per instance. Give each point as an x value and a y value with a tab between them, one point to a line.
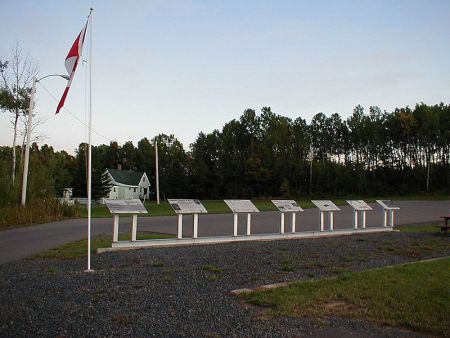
126	177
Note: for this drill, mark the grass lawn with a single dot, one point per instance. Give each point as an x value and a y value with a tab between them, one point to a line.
420	228
213	207
414	296
219	206
78	249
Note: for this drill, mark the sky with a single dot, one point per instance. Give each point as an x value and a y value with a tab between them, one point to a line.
185	67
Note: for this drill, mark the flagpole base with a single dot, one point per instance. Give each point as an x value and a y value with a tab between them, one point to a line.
89	270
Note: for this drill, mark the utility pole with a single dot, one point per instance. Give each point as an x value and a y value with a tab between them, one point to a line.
29	130
27	147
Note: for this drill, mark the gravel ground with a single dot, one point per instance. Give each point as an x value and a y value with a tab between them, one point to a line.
185	291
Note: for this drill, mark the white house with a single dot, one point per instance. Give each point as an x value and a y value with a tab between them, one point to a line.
127	185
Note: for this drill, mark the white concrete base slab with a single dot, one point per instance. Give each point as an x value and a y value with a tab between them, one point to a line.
140	244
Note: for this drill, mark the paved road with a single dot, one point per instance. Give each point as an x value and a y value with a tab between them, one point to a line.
22	242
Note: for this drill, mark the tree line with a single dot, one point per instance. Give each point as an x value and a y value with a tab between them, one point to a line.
375	153
370	153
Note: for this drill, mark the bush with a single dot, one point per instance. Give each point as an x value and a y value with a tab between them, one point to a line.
71	210
37	211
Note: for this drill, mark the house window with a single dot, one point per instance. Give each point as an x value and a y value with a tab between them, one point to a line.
114	189
134	189
143	179
129	189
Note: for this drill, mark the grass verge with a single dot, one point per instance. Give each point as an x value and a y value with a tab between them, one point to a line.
213	207
419	228
78	249
36	211
219	206
413	296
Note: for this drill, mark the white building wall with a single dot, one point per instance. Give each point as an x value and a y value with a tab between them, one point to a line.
144	184
129	193
114	193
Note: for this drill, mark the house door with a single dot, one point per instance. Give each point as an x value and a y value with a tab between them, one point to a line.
145	192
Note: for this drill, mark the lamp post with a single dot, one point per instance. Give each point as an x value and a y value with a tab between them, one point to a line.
27	147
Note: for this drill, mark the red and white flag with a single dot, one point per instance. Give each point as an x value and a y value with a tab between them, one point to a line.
72	62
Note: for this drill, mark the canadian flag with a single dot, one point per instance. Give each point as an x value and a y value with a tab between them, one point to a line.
72	62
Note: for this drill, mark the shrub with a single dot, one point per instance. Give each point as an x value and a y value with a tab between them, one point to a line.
37	211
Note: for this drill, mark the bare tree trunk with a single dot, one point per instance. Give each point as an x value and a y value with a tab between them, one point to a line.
311	172
15	77
14	149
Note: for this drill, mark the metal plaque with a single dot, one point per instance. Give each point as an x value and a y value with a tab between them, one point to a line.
241	206
359	205
287	205
325	205
186	206
387	204
134	206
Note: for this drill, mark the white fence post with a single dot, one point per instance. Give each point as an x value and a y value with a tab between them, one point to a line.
134	228
293	222
235	224
331	221
321	220
116	228
363	219
282	223
384	217
391	218
249	223
180	227
355	219
195	226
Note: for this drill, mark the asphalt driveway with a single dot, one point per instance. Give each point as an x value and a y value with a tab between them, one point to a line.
22	242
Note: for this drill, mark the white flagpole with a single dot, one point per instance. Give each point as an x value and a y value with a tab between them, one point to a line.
157	172
89	185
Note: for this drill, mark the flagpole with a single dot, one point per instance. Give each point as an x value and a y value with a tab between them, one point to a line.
157	172
89	183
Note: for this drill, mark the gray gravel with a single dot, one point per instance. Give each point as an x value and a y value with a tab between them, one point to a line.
172	292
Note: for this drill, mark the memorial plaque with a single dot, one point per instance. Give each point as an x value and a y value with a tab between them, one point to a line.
241	206
287	205
387	204
186	206
325	205
134	206
359	205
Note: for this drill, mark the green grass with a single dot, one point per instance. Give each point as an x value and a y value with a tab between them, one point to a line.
287	265
414	296
212	268
158	264
214	272
219	206
420	228
213	207
79	248
36	211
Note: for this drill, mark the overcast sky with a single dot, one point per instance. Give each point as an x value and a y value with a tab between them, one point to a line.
181	67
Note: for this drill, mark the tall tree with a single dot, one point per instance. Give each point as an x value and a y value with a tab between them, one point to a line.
145	157
205	179
128	156
16	77
173	168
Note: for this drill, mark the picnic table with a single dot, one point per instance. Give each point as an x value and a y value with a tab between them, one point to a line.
445	227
